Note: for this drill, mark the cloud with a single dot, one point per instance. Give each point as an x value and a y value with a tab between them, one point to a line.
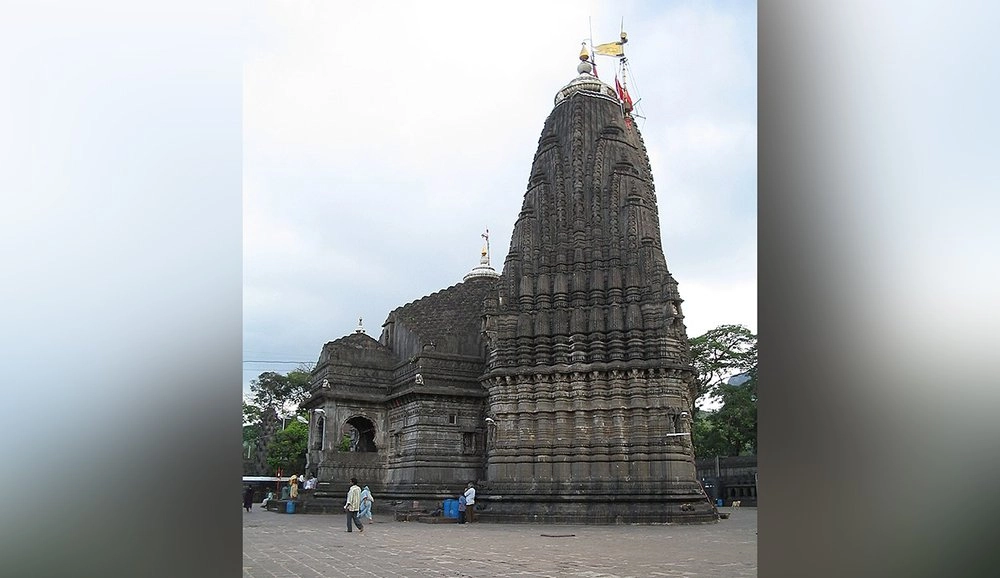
381	139
708	305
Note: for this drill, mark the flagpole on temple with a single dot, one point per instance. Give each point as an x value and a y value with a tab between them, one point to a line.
622	60
627	100
621	87
593	57
486	236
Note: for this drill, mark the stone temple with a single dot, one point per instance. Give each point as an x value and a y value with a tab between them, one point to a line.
563	386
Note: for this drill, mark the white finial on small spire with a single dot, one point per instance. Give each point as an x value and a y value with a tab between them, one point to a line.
484	269
486	250
361	327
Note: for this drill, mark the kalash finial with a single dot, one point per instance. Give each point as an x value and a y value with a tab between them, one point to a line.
484	269
585	67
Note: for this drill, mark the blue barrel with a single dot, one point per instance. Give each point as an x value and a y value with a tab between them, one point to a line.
450	508
719	502
289	507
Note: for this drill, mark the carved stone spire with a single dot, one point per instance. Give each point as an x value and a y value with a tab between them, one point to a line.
588	357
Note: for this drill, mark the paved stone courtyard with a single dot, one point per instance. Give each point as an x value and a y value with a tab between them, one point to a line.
300	545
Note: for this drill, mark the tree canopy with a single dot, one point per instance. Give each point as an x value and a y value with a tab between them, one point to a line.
272	397
730	430
287	451
278	392
719	355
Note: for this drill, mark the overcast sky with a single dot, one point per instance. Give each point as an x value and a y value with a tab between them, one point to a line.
382	138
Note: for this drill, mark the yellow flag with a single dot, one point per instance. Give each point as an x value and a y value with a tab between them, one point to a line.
610	49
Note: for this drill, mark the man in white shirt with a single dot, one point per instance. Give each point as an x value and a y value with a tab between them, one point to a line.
470	503
352	506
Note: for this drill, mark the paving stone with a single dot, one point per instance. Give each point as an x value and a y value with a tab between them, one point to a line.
319	546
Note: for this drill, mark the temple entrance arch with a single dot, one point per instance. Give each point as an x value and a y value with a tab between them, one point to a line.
362	433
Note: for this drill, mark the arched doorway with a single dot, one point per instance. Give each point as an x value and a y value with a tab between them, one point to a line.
362	433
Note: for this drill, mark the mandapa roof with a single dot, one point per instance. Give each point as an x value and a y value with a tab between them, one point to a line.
355	347
450	314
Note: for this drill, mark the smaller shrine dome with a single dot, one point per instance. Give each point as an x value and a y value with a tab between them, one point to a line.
484	269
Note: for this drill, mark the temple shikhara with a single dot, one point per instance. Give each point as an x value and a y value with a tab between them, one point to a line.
562	385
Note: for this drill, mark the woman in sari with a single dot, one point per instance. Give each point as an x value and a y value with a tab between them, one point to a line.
366	505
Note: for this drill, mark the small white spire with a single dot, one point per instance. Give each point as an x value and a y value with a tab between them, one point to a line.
486	250
361	327
483	269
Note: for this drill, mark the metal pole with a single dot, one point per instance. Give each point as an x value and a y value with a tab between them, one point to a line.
309	435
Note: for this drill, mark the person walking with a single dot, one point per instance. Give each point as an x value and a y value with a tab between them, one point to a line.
353	505
461	509
366	505
470	503
247	497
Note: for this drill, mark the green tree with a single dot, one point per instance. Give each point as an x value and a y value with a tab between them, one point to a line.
272	397
718	355
287	451
707	439
298	380
736	420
